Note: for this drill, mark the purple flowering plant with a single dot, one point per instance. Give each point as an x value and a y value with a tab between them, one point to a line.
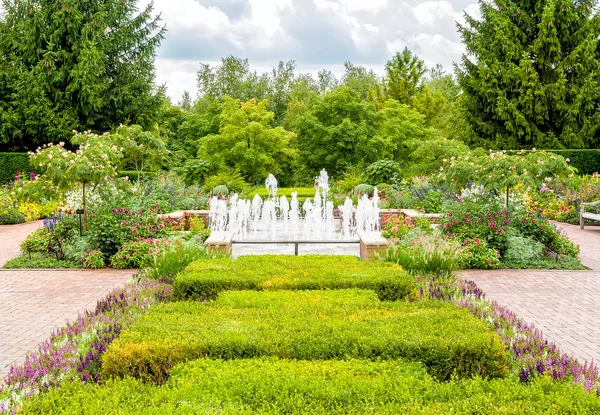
73	353
529	352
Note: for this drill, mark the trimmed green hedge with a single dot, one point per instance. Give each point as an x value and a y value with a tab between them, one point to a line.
270	386
585	161
306	325
10	163
206	279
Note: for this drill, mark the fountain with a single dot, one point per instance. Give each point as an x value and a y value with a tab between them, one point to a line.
277	219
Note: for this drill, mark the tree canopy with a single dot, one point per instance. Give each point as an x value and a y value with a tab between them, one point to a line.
75	65
530	75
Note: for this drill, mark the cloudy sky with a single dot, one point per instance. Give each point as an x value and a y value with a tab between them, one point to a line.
317	34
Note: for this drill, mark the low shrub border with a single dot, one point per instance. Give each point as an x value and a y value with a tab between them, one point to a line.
530	353
318	387
306	325
206	279
73	352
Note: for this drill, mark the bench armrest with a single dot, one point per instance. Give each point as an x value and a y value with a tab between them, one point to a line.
590	203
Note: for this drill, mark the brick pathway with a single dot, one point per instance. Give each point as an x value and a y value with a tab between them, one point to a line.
33	303
563	304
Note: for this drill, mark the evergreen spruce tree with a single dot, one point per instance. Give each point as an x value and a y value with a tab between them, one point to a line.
75	65
530	76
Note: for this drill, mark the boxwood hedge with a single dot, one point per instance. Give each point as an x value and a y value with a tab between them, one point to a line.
206	279
313	387
306	325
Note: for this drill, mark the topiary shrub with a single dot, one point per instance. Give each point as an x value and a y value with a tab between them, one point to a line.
382	171
364	189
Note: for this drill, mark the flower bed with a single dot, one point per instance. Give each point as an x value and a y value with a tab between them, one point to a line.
530	354
73	353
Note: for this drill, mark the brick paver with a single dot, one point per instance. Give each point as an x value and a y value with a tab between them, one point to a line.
33	303
10	238
563	304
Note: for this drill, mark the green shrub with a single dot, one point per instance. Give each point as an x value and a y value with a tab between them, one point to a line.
306	325
270	386
135	254
39	260
206	279
303	192
92	259
220	190
10	164
522	250
382	171
37	241
364	189
476	254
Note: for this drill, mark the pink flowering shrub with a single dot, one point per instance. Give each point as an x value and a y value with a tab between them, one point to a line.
92	259
136	254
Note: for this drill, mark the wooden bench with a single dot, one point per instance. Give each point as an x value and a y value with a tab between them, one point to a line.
583	215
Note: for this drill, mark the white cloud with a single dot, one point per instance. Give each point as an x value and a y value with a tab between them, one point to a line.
317	34
429	12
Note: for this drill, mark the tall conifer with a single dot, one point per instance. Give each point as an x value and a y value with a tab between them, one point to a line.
75	64
530	75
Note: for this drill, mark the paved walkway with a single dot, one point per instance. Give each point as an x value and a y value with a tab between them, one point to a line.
565	305
35	302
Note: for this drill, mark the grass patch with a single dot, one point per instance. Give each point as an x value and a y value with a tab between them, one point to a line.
37	260
313	387
206	279
306	325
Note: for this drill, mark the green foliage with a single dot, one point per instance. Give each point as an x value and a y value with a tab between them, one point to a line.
351	178
248	142
585	161
500	171
195	171
427	253
522	250
92	259
10	164
382	171
477	254
9	214
197	229
94	162
354	387
110	228
405	73
426	157
206	279
364	189
220	190
142	150
231	179
401	128
303	192
175	257
529	76
39	260
37	241
92	68
306	325
337	132
135	254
